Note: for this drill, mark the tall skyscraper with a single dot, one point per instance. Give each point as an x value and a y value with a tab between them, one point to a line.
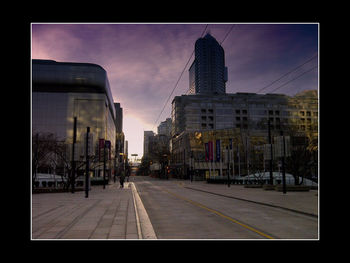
208	74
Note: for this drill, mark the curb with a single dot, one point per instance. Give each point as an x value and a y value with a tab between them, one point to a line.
144	226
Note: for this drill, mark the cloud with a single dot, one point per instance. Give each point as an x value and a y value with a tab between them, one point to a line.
143	61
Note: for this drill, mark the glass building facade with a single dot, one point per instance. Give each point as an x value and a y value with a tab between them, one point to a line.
62	91
208	73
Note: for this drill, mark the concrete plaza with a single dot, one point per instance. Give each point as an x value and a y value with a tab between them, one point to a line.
106	214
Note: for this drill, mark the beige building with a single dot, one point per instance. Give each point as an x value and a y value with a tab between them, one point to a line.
242	117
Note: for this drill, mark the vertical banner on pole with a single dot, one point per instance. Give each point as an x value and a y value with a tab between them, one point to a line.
218	151
210	150
210	146
206	145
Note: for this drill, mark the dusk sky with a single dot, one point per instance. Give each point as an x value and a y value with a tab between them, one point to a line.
144	61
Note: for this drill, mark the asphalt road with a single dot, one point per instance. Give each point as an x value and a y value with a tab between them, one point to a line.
177	212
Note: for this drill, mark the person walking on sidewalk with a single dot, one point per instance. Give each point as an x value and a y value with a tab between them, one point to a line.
121	179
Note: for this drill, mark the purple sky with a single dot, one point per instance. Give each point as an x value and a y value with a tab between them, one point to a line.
144	61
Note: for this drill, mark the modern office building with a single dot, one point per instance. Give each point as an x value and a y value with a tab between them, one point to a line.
208	74
199	118
62	91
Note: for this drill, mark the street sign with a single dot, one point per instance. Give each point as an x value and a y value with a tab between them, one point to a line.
267	151
279	148
76	152
226	156
101	144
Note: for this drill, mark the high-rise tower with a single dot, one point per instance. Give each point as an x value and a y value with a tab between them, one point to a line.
208	73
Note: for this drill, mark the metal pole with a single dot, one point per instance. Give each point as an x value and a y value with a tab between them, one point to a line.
283	165
73	153
228	166
104	164
87	163
239	162
270	142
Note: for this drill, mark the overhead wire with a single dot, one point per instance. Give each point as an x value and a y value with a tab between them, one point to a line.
177	82
273	82
294	78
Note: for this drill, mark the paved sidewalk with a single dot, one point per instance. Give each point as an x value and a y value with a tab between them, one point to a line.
304	202
106	214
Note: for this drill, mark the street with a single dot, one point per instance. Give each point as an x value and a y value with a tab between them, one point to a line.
177	212
151	208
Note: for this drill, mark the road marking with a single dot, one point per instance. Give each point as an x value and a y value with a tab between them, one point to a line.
144	225
220	214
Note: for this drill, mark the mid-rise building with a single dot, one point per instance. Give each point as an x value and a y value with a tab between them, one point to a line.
147	137
164	127
62	91
239	116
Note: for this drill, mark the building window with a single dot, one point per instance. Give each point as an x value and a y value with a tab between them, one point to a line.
210	111
238	118
203	110
270	112
302	113
308	113
238	111
238	125
211	118
211	126
315	114
204	118
204	125
245	118
244	111
277	112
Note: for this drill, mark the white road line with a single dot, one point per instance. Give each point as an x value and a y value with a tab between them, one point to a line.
144	226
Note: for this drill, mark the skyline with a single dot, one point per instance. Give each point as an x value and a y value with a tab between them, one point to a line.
144	61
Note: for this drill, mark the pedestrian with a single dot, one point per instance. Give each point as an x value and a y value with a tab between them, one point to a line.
121	179
127	173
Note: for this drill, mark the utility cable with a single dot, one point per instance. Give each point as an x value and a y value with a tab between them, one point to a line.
288	73
177	82
294	78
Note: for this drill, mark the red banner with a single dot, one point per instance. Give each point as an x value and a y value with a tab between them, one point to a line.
210	145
